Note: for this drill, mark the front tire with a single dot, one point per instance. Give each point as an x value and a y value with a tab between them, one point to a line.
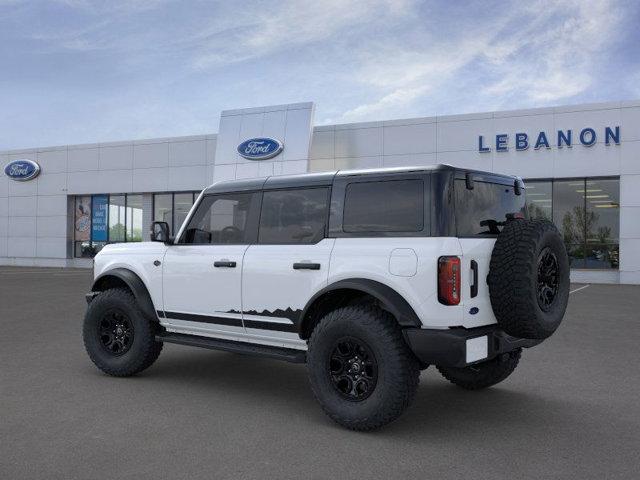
119	339
361	371
485	374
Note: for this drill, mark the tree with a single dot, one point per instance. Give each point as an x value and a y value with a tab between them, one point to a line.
577	225
535	212
116	233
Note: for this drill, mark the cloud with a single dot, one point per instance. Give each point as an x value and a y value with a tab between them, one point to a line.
552	61
263	31
122	69
406	76
398	98
541	53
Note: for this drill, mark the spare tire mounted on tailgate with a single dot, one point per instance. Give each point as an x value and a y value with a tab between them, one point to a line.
529	278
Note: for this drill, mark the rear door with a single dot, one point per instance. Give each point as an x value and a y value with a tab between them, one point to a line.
480	213
289	263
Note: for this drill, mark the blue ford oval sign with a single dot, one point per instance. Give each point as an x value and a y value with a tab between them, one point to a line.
22	170
260	148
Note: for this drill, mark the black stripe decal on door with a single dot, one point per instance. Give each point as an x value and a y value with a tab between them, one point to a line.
231	322
279	327
191	317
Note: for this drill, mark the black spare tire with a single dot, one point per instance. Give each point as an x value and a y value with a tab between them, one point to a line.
529	278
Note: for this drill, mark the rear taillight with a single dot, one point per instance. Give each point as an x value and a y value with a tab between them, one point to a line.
449	280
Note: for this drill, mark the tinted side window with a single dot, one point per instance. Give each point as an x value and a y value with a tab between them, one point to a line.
293	216
220	219
483	210
385	206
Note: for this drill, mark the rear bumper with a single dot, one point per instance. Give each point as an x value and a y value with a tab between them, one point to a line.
459	347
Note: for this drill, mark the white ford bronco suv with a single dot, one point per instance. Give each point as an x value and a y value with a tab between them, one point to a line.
367	276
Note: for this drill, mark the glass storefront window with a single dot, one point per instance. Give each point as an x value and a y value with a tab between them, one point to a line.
539	199
163	208
134	218
82	227
173	208
117	218
587	213
603	223
103	219
568	210
182	204
569	216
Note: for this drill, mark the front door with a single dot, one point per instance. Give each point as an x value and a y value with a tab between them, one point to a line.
202	272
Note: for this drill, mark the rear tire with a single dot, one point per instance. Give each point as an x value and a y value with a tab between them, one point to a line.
361	371
483	375
119	339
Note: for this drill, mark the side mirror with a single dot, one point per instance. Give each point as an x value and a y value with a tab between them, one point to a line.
160	232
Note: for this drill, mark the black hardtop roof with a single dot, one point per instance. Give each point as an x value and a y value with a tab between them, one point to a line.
327	178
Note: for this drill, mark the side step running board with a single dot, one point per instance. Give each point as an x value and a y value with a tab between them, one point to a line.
278	353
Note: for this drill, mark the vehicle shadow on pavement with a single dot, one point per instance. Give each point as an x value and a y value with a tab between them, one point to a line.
440	410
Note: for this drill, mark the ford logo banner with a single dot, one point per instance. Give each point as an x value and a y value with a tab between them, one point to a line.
22	170
260	148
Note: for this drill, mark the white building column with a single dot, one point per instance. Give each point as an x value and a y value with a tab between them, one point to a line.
630	229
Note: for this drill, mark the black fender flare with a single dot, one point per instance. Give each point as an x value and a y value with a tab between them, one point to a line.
391	300
135	284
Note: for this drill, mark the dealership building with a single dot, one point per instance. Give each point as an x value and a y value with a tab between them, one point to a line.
581	165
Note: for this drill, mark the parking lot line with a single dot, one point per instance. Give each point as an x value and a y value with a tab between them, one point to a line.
578	289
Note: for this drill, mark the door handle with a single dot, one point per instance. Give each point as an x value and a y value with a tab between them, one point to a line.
224	263
306	266
474	270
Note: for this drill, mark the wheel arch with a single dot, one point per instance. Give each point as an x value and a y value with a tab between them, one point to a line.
346	291
123	277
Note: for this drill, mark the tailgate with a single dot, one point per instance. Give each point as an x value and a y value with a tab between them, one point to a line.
476	255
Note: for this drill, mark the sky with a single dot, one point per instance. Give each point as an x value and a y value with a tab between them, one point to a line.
80	71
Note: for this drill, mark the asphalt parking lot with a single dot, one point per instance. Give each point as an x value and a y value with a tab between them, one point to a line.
571	409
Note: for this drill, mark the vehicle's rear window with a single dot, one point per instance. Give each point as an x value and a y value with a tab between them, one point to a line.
483	210
384	206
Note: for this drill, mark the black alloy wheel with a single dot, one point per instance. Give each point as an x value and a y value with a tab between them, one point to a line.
116	332
353	369
360	368
548	280
119	338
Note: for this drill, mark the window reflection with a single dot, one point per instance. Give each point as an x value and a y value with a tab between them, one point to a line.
102	219
173	208
603	223
539	199
163	209
182	204
134	218
587	214
117	216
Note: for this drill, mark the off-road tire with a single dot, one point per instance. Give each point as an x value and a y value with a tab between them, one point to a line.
485	374
514	278
398	371
144	349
